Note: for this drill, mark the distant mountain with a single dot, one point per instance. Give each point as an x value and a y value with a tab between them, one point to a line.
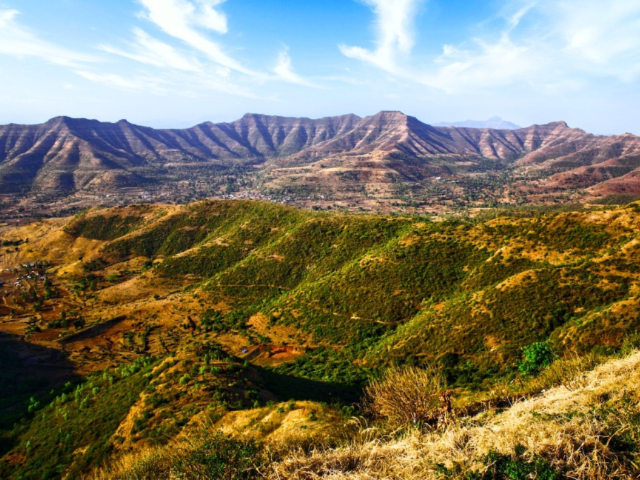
67	155
493	122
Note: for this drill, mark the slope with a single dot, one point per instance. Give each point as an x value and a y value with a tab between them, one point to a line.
292	304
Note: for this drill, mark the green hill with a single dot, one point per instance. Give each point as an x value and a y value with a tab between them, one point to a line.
253	303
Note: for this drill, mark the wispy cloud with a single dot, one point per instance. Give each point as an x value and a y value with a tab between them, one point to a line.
187	61
603	36
572	41
490	64
113	80
184	84
181	19
191	22
395	34
284	70
17	40
146	49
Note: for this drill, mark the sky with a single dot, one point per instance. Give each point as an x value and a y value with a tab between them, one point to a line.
176	63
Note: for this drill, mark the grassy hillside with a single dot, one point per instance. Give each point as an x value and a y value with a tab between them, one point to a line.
414	289
230	305
586	428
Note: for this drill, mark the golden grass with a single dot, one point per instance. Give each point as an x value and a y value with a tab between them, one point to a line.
279	428
574	427
579	427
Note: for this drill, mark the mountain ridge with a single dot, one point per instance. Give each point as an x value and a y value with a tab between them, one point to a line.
331	154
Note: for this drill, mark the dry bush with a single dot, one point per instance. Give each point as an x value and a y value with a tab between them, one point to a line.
406	395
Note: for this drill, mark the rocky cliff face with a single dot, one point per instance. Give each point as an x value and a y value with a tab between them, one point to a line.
72	154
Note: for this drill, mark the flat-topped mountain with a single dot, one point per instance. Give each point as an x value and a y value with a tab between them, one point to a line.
327	154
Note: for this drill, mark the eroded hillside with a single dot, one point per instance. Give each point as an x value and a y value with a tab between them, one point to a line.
381	163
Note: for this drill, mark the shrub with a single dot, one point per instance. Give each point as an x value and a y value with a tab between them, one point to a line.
535	357
406	395
517	467
569	372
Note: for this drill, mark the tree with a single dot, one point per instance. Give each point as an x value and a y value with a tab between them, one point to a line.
79	323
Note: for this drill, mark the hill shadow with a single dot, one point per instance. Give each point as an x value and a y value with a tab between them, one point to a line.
289	387
27	370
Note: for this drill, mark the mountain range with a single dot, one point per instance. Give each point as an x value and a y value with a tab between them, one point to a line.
328	154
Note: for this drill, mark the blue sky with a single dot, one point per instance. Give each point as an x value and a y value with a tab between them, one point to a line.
174	63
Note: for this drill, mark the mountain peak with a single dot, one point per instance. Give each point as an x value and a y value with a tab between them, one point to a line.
386	117
389	114
386	145
557	124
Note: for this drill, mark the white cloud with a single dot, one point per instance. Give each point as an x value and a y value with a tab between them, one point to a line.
17	40
211	18
604	36
180	19
284	70
394	30
185	84
151	51
490	64
188	62
209	67
570	43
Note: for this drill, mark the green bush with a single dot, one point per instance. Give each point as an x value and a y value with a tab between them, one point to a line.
504	467
535	357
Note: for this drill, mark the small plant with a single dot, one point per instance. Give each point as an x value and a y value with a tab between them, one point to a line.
516	467
535	357
79	323
33	405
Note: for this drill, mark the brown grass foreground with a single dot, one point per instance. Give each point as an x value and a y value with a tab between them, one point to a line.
585	428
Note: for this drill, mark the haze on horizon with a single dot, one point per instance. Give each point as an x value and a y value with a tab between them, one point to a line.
175	63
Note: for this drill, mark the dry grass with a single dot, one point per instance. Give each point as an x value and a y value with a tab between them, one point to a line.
569	372
206	456
586	427
407	395
279	428
579	428
149	463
